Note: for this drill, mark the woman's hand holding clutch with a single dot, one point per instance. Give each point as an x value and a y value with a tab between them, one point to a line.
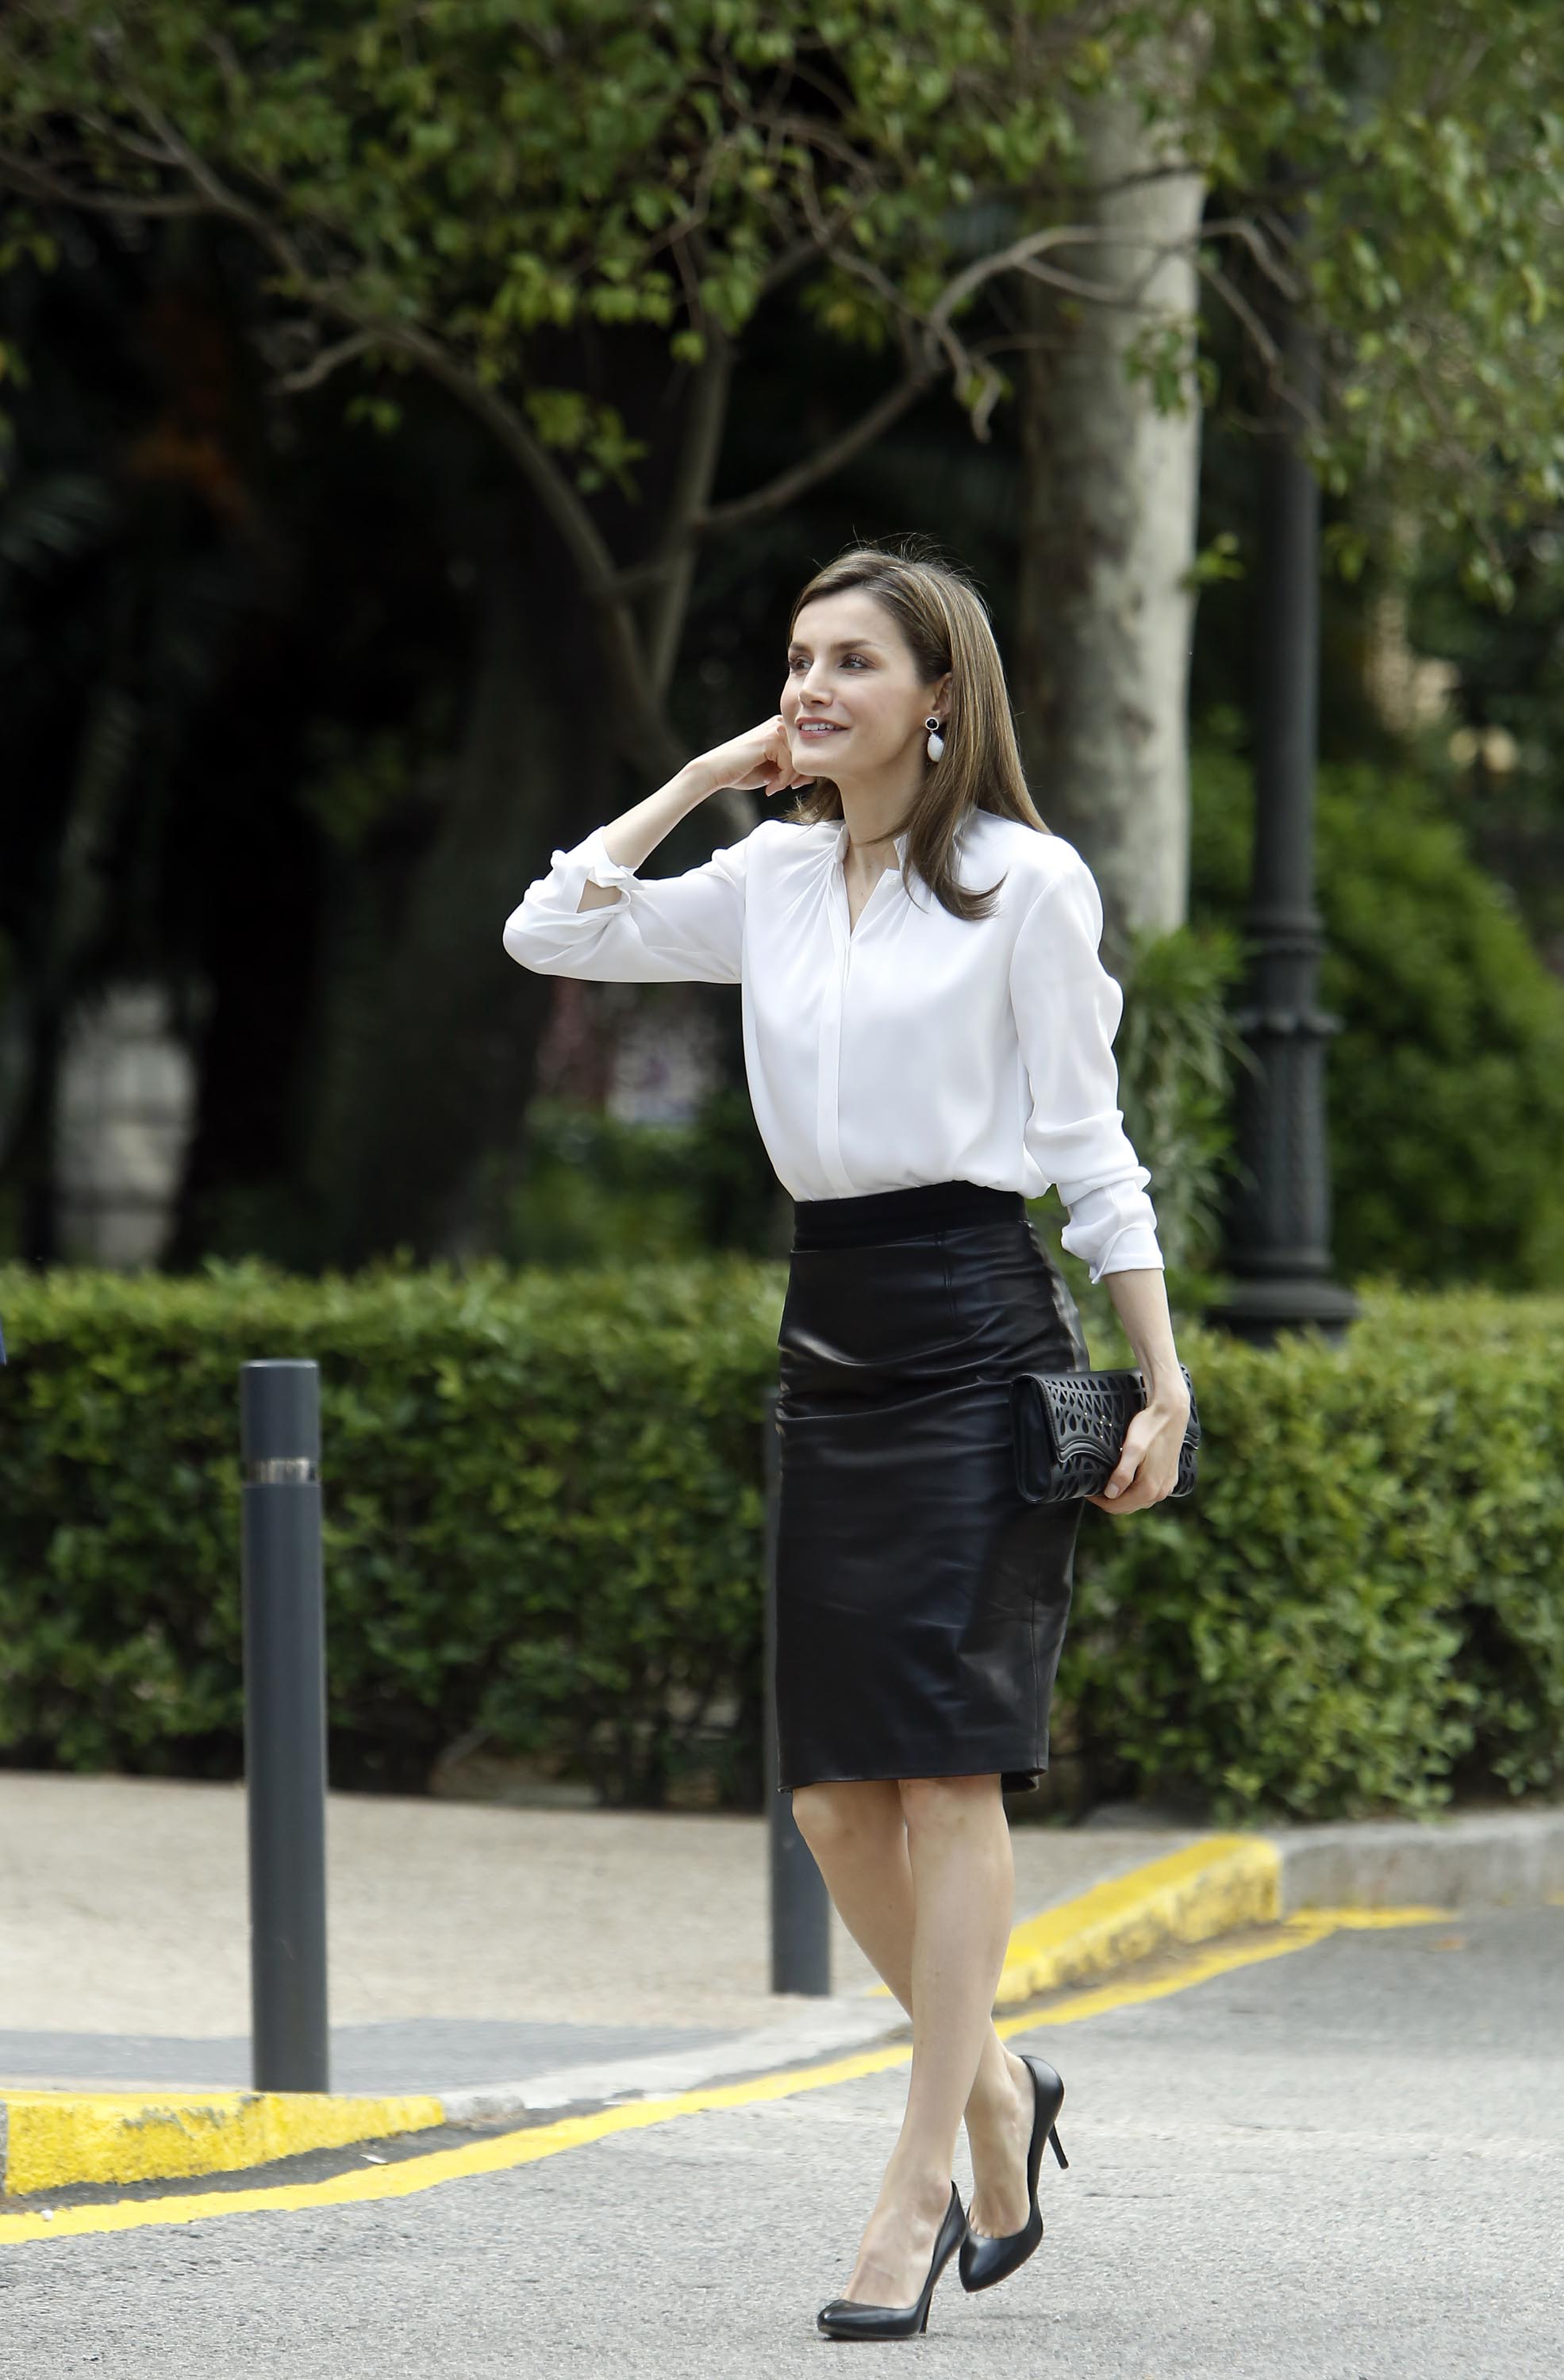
1148	1461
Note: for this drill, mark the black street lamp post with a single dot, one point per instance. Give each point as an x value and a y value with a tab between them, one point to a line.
1277	1247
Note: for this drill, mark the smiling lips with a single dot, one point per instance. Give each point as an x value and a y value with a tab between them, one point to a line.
820	727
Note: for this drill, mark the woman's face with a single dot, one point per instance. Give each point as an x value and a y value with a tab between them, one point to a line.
853	701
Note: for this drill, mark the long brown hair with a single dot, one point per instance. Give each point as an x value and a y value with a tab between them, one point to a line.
944	622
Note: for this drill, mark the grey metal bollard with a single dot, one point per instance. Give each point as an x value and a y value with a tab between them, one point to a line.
285	1732
800	1907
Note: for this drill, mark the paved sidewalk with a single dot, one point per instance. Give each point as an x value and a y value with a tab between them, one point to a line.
468	1944
488	1962
1334	2159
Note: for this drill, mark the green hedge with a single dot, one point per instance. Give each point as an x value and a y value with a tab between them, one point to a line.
545	1518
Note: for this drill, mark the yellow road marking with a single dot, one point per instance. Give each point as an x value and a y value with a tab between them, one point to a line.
509	2149
1209	1888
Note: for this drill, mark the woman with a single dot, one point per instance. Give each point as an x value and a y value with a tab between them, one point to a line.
928	1034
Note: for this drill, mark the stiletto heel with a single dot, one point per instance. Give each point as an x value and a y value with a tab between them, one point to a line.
983	2262
849	2318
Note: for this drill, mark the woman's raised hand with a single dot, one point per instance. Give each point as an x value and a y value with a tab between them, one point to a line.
759	759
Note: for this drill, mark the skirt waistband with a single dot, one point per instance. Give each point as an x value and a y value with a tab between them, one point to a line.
894	1214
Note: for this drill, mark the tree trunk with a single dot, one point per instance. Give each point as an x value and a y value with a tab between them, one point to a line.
1109	508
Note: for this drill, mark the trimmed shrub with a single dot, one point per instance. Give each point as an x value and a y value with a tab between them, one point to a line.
543	1517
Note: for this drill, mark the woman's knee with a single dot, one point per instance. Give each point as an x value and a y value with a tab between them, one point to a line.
930	1802
841	1810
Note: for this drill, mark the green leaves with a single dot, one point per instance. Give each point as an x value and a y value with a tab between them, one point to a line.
1323	1631
494	174
1430	168
543	1515
490	173
566	419
382	413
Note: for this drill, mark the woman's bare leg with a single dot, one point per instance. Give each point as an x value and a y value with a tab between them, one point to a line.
858	1833
938	1847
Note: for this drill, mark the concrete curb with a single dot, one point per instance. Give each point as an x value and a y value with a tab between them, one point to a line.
1511	1859
51	2139
1209	1888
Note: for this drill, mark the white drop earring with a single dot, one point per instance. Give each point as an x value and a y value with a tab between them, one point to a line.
936	741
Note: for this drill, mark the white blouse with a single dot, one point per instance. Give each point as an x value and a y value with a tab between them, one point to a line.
912	1047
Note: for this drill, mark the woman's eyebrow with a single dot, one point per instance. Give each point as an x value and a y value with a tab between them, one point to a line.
842	645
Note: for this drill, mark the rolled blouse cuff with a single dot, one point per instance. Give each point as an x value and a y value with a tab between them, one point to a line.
592	856
1113	1228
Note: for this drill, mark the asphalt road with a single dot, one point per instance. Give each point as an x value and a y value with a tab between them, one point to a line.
1347	2160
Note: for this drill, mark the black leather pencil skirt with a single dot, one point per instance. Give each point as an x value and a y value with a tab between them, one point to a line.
920	1603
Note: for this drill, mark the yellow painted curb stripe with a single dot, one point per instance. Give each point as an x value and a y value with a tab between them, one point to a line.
51	2138
1209	1888
508	2149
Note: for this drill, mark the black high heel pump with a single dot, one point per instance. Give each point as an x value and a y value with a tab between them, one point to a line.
983	2262
847	2318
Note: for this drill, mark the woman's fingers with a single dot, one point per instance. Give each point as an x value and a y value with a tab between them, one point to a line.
1136	1497
1129	1479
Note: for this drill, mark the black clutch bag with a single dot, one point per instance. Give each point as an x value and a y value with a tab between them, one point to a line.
1068	1432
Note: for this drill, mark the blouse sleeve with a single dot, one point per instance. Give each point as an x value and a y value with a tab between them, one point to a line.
1067	1009
661	930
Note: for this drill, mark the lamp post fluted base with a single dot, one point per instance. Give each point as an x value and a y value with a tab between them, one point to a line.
1260	1309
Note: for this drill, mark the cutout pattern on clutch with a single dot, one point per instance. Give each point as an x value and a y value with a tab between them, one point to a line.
1068	1429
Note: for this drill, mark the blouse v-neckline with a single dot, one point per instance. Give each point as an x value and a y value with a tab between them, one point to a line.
892	868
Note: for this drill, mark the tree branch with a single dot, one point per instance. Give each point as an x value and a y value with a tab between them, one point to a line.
935	327
1232	296
643	662
720	519
700	453
31	181
311	375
